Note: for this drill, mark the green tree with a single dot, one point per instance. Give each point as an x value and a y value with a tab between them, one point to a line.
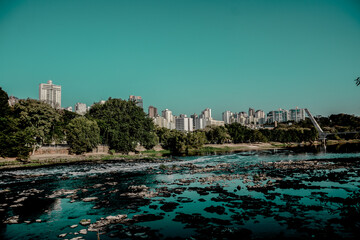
38	119
4	104
238	133
176	142
217	134
196	139
14	141
82	135
59	131
123	125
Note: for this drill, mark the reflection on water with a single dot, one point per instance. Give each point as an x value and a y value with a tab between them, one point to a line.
301	192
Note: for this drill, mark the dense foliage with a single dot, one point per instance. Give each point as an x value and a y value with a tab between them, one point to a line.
179	142
83	135
123	125
14	142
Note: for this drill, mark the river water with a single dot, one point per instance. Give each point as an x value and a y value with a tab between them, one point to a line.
298	193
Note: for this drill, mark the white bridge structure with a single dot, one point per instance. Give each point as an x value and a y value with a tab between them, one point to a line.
322	134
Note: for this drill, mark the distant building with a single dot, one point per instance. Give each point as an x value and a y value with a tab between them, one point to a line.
167	120
280	115
194	117
260	117
226	117
183	123
137	99
152	111
297	114
167	114
206	113
13	100
200	123
69	109
213	122
50	93
80	108
251	112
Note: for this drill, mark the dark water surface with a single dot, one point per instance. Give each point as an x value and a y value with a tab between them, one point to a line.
299	193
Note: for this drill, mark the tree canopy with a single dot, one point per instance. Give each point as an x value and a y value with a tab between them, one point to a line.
123	125
83	135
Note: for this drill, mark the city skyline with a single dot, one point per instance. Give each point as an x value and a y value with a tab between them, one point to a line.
186	56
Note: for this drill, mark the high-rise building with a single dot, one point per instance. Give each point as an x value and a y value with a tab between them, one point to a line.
80	108
184	123
50	93
297	114
152	111
137	99
167	114
280	115
226	116
194	117
260	117
251	112
206	114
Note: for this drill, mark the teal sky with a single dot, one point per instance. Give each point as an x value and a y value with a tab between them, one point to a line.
186	55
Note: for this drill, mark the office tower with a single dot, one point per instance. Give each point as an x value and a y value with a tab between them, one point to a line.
50	94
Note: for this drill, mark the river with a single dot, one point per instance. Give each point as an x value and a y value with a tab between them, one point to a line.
297	193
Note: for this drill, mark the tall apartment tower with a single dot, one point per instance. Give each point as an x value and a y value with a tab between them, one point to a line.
251	112
226	116
137	99
50	93
152	112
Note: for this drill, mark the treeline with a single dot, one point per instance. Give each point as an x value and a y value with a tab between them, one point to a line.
179	142
29	124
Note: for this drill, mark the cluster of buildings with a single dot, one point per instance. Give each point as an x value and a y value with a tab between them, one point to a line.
183	122
252	119
51	94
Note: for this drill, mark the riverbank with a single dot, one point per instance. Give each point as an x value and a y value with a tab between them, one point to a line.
156	155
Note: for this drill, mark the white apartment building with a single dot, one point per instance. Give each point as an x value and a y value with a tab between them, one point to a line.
297	114
50	94
206	113
280	115
226	117
184	124
213	122
80	108
200	123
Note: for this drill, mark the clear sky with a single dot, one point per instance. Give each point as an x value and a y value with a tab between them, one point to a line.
186	55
